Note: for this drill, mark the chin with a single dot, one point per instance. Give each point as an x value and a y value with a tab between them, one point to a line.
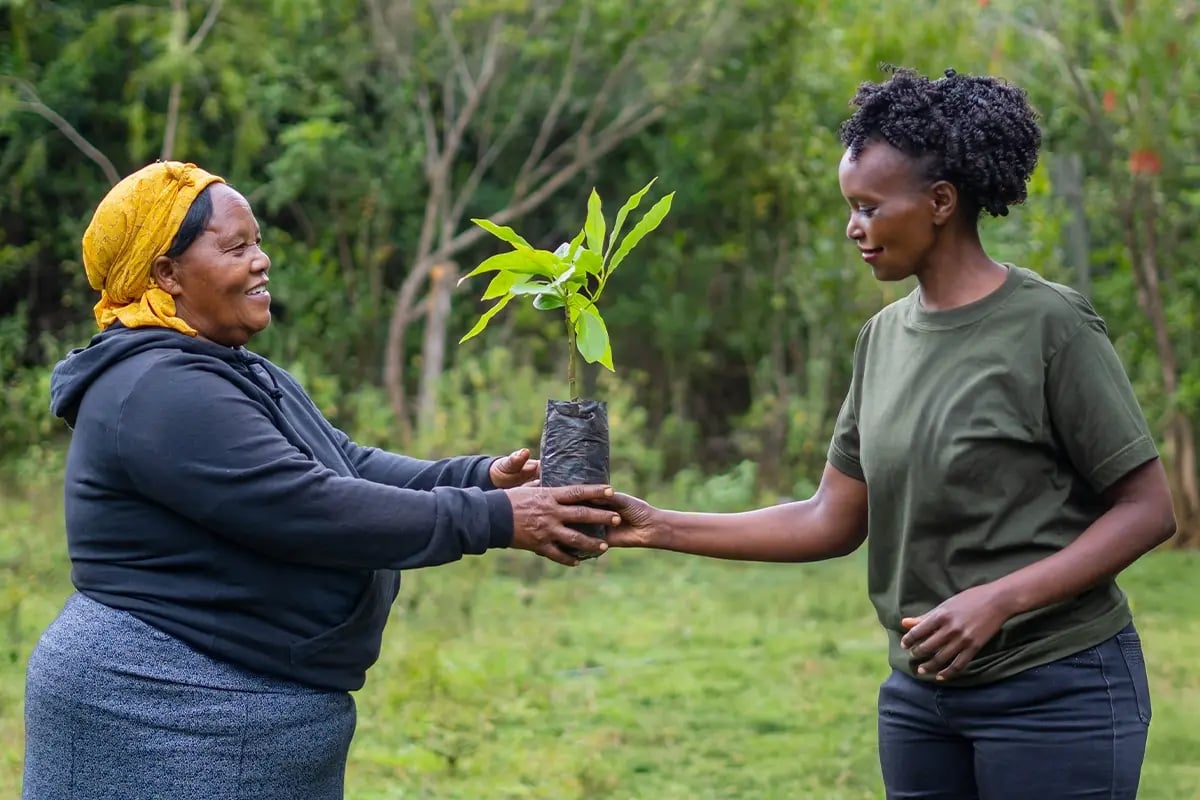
890	274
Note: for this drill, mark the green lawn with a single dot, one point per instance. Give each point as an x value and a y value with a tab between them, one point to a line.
644	675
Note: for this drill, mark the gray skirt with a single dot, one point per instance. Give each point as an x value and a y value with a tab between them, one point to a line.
117	710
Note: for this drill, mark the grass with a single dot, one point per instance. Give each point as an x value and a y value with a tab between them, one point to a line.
644	675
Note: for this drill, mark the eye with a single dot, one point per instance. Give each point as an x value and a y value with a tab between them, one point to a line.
867	211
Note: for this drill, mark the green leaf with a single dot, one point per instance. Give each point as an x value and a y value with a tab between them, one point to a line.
532	287
630	204
502	283
647	223
547	302
589	262
487	316
523	260
511	261
594	226
503	232
591	337
573	248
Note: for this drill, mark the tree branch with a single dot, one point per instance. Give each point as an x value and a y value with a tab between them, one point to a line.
458	59
604	145
206	25
550	120
34	105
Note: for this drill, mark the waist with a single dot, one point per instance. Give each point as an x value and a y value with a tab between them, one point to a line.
88	632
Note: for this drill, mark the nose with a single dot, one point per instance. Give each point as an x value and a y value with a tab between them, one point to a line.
262	261
854	231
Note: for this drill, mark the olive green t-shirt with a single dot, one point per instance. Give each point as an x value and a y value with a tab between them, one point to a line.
985	435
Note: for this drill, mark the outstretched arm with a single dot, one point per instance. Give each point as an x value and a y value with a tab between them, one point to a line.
832	523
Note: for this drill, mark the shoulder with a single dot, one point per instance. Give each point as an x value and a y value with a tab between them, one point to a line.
1058	310
181	383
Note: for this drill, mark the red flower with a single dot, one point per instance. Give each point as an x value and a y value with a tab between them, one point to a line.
1145	162
1109	101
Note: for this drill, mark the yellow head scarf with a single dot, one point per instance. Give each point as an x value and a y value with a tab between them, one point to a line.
134	224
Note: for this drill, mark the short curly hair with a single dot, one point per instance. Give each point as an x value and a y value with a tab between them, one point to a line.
977	132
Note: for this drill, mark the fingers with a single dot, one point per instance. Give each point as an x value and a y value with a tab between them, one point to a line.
918	628
514	462
557	554
579	541
959	664
586	515
582	493
936	652
618	501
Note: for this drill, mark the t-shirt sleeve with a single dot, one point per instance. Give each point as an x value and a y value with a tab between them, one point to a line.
1095	415
844	448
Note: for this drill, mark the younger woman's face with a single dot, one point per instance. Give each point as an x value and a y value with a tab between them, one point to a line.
892	212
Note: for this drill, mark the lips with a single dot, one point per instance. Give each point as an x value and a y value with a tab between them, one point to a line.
258	291
869	253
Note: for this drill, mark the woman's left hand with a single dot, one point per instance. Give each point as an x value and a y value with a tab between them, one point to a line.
946	639
515	469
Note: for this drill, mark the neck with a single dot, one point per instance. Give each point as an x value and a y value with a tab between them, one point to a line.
958	272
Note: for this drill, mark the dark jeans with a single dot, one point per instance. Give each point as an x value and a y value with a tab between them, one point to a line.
1074	728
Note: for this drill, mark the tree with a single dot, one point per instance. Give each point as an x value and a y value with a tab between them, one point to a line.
1116	83
618	71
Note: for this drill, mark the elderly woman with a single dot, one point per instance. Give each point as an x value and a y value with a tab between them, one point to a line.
235	555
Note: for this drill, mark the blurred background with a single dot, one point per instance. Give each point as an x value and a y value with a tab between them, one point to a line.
367	133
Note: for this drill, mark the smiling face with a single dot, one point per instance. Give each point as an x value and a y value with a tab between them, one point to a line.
219	282
895	214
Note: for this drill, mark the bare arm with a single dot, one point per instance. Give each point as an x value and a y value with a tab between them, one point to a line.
1139	519
832	523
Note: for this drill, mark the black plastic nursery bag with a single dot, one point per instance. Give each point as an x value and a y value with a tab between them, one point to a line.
575	449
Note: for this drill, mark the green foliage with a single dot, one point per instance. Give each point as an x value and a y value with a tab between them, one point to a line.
572	277
746	287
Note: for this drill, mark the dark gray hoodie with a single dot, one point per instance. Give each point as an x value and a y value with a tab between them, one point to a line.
207	495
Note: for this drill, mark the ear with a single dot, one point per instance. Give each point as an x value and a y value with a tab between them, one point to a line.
943	197
165	274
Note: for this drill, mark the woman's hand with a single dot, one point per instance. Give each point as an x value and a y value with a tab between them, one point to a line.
641	524
948	637
541	516
515	469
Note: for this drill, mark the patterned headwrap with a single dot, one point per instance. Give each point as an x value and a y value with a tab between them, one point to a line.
134	224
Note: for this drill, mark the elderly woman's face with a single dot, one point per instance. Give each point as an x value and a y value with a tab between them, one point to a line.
220	282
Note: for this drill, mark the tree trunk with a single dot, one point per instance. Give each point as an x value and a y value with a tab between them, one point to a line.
433	351
1067	176
1139	220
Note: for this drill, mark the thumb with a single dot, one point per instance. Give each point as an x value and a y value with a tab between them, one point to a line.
910	622
513	462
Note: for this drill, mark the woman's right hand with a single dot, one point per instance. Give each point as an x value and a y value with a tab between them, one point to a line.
641	523
541	515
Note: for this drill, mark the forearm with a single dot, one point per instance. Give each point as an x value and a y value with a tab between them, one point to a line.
1113	542
404	472
792	532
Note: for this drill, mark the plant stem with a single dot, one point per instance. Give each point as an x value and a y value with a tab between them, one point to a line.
571	347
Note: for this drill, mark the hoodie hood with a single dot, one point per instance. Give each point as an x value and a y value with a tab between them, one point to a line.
75	374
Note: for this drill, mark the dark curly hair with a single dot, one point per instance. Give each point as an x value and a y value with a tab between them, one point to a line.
979	133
